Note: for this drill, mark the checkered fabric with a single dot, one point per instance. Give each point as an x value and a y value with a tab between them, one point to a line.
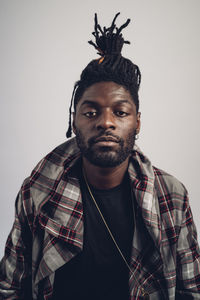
48	231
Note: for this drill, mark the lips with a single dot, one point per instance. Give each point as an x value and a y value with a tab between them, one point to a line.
106	139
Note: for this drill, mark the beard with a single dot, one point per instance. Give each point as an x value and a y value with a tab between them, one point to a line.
105	156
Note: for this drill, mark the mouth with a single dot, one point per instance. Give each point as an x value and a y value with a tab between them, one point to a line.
106	141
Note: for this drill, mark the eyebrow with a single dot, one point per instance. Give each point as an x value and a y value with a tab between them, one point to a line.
94	103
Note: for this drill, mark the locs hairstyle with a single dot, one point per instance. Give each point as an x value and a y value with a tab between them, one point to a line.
111	66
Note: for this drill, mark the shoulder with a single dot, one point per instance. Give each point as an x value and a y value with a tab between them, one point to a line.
62	157
48	173
167	182
171	194
163	181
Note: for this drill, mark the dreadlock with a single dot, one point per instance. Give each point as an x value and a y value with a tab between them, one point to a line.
112	66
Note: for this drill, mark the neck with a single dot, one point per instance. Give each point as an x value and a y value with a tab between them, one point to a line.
104	178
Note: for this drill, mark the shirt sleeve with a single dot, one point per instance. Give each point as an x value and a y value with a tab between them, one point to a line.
188	259
15	267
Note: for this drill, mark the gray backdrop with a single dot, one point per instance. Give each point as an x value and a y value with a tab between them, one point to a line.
43	48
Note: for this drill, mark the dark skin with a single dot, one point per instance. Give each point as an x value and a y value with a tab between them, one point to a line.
106	106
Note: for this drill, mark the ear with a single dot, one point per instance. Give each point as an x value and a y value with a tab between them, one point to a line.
73	123
138	122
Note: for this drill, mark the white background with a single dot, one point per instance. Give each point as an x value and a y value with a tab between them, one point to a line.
43	49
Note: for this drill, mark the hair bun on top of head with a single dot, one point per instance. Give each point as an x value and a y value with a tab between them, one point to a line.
112	66
109	41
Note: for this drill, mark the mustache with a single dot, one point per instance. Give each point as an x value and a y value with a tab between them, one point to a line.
103	135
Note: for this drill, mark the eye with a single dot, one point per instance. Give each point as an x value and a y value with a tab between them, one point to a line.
90	114
121	113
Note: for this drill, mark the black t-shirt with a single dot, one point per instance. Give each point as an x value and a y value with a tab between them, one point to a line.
99	272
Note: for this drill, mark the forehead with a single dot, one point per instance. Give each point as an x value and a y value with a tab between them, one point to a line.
106	94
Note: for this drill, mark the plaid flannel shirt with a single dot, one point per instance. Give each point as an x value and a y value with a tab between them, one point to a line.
48	231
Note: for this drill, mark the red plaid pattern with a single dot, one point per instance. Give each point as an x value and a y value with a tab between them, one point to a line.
48	231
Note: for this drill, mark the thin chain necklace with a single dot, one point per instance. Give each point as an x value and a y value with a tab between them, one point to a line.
145	295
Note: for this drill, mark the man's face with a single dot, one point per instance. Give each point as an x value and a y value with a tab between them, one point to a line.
105	124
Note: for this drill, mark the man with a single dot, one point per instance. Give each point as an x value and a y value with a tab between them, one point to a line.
95	220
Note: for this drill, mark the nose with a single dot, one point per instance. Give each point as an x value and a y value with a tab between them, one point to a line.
106	120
